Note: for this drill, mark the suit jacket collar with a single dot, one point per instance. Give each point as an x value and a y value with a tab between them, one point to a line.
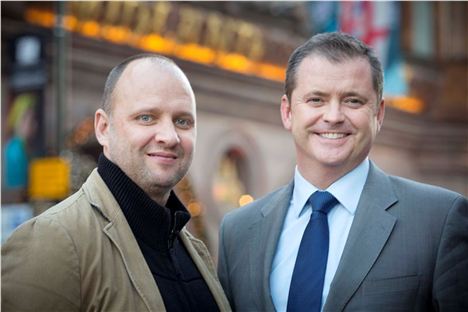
266	233
370	231
368	235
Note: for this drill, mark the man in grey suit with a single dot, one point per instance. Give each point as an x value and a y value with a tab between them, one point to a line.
393	244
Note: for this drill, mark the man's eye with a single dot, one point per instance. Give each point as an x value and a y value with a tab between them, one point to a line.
314	100
354	101
145	118
183	123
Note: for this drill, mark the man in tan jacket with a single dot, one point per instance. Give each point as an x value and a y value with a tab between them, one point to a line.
119	243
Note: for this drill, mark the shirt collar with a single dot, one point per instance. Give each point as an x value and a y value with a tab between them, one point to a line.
346	195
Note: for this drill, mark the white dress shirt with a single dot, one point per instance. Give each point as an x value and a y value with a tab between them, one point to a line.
347	190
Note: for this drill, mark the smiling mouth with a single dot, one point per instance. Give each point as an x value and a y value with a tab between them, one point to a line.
333	135
163	155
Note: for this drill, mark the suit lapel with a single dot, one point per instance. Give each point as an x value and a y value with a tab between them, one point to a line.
368	235
265	236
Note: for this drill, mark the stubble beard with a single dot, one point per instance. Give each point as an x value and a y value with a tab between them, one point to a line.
155	185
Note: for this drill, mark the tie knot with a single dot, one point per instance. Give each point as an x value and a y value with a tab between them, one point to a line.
322	201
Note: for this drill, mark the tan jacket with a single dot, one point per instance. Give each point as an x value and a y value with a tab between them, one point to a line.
81	255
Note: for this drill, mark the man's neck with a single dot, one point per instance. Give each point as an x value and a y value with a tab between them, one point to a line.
159	196
321	176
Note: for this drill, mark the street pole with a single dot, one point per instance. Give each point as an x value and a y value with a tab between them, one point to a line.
60	73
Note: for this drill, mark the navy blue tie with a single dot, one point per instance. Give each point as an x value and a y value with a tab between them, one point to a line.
305	292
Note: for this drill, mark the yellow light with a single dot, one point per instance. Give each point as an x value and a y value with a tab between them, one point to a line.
157	43
195	53
234	62
245	199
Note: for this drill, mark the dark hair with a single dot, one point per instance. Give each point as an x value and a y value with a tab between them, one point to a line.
336	47
116	72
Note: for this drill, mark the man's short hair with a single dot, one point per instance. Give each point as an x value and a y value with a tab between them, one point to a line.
336	47
116	72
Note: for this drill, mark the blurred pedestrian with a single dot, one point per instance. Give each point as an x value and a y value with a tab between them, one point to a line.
16	153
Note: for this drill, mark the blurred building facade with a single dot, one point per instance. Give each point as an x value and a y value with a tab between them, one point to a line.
234	54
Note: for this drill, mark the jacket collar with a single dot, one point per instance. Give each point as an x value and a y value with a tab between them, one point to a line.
156	225
370	231
120	234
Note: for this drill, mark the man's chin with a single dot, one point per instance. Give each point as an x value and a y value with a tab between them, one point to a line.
167	183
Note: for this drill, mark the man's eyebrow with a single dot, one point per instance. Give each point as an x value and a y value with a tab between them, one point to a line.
353	93
315	93
184	114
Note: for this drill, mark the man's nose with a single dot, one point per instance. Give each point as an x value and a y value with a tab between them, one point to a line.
166	133
333	112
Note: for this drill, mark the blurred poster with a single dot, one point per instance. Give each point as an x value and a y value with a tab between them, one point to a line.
12	216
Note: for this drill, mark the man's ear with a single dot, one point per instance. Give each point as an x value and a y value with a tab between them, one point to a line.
380	114
101	127
286	112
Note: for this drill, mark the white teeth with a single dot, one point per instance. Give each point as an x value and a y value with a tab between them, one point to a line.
332	135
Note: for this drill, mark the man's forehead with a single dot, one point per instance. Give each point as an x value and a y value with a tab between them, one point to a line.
149	76
149	65
318	65
150	72
317	57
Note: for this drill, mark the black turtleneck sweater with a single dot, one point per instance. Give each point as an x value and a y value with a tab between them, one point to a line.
156	230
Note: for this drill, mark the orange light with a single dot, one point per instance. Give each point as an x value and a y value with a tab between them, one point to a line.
195	53
70	22
153	42
234	62
46	19
90	29
195	209
219	192
245	199
408	104
33	16
157	43
116	34
272	72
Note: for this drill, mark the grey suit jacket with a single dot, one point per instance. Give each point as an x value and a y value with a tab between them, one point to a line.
407	250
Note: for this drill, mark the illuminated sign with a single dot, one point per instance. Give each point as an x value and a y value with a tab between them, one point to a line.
188	33
49	178
173	29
